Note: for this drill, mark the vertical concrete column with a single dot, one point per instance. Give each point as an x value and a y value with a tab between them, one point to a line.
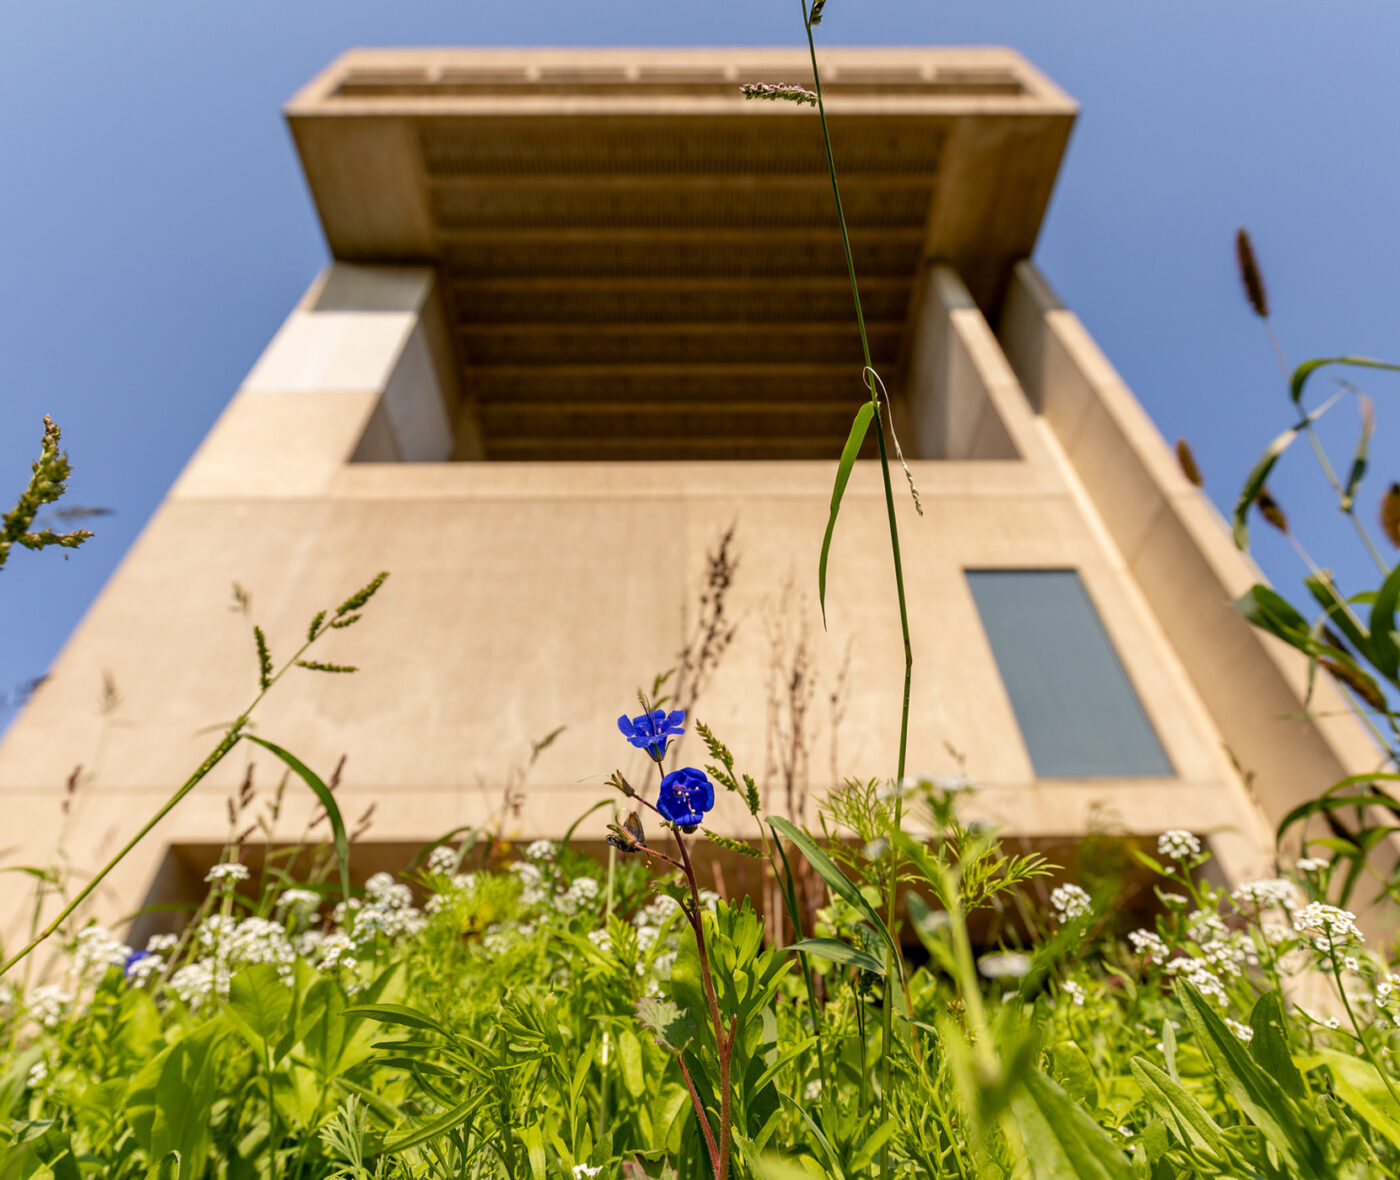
362	370
1294	745
964	400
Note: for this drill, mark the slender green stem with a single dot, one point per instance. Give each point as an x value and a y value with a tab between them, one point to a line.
226	743
887	1009
1356	1027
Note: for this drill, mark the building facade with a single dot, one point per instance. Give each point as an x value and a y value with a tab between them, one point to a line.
588	312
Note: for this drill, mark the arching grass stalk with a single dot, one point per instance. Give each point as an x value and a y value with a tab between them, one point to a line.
345	615
887	1009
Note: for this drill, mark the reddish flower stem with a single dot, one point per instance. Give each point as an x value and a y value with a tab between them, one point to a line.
724	1042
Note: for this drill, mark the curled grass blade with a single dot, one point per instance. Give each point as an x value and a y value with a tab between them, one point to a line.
323	793
843	476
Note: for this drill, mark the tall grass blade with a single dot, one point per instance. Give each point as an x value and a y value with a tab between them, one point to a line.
843	475
323	793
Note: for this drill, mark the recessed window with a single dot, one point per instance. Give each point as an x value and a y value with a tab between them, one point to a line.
1076	707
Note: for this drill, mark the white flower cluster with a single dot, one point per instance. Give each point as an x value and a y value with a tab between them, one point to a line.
1004	965
227	874
96	950
542	850
457	889
1074	991
301	902
582	1170
581	894
442	860
389	912
1178	844
1267	894
1312	864
1148	944
1200	976
1242	1031
228	945
49	1003
158	944
1069	902
38	1074
1327	926
532	891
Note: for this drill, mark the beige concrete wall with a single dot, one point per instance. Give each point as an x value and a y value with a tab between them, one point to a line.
525	596
1180	555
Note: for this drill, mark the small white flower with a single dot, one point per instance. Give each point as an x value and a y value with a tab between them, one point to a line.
813	1090
1243	1031
1175	900
1351	964
227	874
160	943
1178	844
601	939
1074	991
1326	925
442	860
540	850
582	1170
1148	944
1265	894
1333	1022
876	848
1312	864
1069	902
1004	965
299	899
38	1073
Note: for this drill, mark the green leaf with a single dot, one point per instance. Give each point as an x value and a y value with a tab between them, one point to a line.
1269	1047
184	1099
397	1014
1359	459
1362	1089
260	1002
1324	590
1062	1141
1334	799
167	1169
322	792
843	476
1262	1099
1254	483
1178	1109
664	1017
533	1137
1259	473
629	1055
827	869
1384	654
1308	368
439	1126
836	951
1271	612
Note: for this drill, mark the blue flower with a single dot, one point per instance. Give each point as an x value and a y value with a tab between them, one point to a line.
132	959
653	731
686	794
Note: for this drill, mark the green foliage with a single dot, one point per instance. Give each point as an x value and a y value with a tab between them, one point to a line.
48	481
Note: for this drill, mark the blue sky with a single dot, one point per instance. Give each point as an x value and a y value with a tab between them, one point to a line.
155	229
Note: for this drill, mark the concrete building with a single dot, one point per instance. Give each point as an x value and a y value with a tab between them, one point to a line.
587	310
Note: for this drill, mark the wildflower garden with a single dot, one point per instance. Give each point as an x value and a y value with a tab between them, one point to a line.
908	997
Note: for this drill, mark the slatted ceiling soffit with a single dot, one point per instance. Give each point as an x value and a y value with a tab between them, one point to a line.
639	264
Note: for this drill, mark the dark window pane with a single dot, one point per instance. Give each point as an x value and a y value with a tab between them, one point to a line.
1077	710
